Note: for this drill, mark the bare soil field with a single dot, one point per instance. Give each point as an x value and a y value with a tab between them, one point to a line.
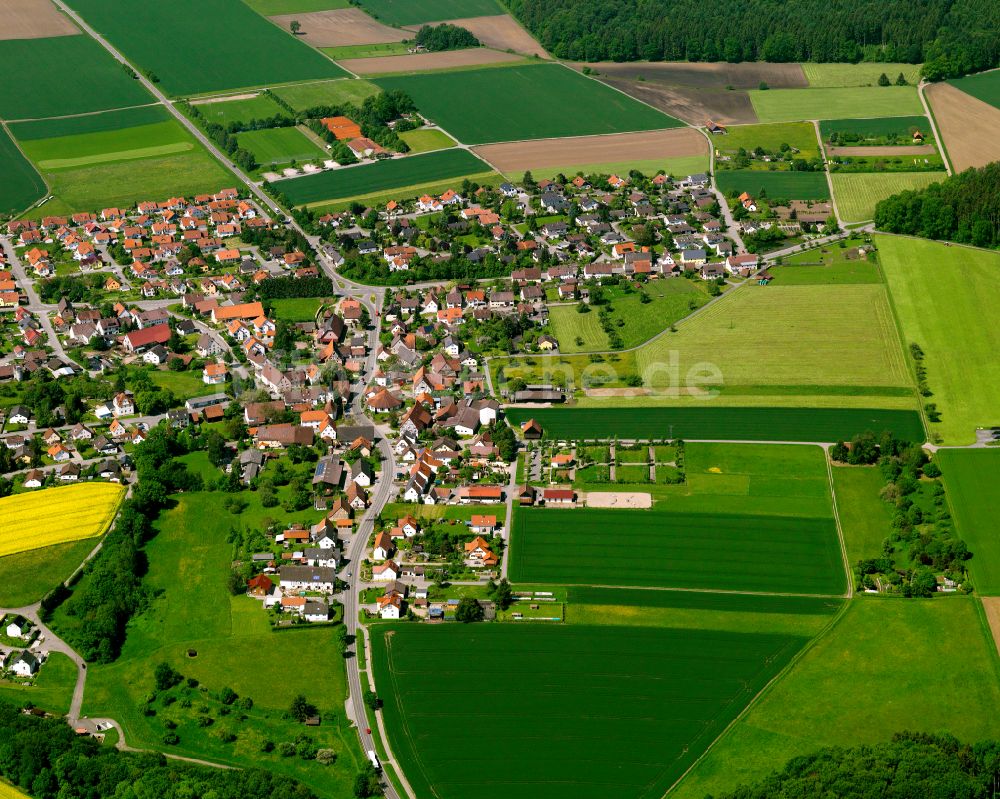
543	153
422	62
501	32
991	604
903	149
967	125
225	98
343	26
630	500
745	75
694	106
33	19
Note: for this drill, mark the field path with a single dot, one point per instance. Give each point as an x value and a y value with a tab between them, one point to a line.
826	169
934	127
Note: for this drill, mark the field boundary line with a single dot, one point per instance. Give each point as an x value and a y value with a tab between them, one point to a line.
765	690
840	529
728	591
83	114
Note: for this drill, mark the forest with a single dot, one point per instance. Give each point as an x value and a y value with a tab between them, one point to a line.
909	765
964	208
952	36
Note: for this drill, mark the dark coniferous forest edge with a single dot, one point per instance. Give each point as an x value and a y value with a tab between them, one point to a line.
951	37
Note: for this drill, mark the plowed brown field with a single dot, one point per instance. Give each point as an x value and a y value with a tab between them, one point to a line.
501	32
515	157
968	126
341	27
33	19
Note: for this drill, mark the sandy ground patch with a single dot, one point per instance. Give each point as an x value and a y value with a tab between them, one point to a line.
501	32
991	604
629	500
33	19
224	98
341	27
418	62
903	149
968	126
545	153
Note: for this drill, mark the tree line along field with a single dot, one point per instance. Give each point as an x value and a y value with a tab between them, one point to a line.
731	423
21	185
67	75
632	679
857	193
789	105
852	688
943	296
667	549
381	176
197	46
972	478
26	577
985	86
408	12
785	185
524	102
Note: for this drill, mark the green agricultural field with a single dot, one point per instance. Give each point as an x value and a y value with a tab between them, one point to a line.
864	517
67	75
671	300
820	339
846	75
852	688
828	264
525	102
427	139
279	146
972	478
633	679
985	86
774	185
943	296
789	105
416	12
51	691
406	192
110	146
738	424
858	193
224	112
125	183
329	92
902	127
233	647
271	8
230	47
380	176
664	549
366	50
79	126
28	576
297	309
800	135
21	185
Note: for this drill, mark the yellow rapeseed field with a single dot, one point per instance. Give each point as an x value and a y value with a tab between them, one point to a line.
8	791
56	515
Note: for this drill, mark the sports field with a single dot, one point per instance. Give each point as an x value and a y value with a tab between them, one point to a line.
230	46
901	127
858	193
666	549
985	86
416	12
774	185
524	102
670	300
738	424
280	146
567	706
380	176
834	75
223	112
21	184
972	478
56	515
787	105
425	140
851	688
327	92
943	296
67	75
800	135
